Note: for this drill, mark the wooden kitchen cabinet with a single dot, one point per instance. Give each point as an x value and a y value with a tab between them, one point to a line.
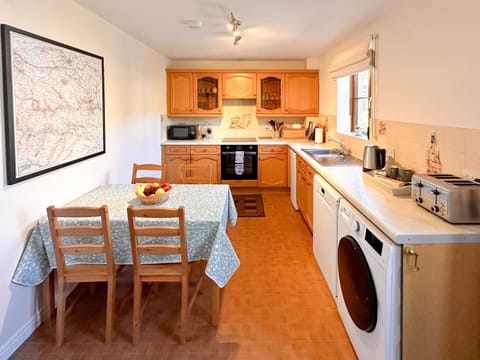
302	93
180	93
194	93
271	93
207	93
272	166
294	93
441	302
176	155
305	174
207	156
277	93
308	214
239	85
301	184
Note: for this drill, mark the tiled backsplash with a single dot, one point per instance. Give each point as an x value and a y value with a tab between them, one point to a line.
459	147
239	120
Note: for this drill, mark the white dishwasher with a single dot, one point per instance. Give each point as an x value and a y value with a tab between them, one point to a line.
325	226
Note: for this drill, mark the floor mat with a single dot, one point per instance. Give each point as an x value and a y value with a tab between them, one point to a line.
249	205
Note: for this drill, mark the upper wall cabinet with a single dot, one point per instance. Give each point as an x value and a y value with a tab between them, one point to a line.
279	93
302	93
271	93
293	93
207	93
239	85
180	93
194	94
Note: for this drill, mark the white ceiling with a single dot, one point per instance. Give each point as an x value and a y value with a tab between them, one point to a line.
280	29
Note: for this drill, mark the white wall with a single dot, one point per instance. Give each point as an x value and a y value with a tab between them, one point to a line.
134	101
428	59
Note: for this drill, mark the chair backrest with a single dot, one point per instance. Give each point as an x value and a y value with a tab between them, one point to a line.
195	174
90	235
147	173
149	229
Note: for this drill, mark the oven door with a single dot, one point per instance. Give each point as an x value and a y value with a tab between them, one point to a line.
239	162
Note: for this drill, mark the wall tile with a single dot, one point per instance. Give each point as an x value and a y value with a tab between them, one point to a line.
472	153
459	149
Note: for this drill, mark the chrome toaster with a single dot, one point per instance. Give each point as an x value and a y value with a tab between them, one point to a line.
454	199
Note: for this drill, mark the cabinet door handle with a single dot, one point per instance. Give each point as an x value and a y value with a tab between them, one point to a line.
411	251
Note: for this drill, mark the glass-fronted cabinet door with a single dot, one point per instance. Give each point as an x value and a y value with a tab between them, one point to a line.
271	93
207	93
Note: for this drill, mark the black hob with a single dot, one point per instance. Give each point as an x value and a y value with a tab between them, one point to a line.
239	139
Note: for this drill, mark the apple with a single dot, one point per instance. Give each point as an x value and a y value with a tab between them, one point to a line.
166	186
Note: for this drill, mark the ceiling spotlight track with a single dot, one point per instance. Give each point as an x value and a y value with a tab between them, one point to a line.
234	26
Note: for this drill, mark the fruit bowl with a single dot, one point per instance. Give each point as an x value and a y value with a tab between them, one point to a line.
153	193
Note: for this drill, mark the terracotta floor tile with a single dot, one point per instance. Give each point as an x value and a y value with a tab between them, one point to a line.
277	306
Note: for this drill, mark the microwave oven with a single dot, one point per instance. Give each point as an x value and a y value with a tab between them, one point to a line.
182	132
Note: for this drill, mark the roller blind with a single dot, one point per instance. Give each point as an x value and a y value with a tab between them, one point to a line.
349	67
358	63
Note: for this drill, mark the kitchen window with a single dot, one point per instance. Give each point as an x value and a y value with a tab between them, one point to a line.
353	103
356	92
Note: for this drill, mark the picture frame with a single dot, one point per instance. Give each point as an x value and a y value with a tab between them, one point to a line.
54	104
310	130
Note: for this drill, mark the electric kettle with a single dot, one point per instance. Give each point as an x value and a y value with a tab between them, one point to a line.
373	158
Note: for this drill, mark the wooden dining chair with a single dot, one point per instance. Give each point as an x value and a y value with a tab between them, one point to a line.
195	174
148	173
163	272
89	236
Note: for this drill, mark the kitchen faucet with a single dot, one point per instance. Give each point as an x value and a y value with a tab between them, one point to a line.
343	150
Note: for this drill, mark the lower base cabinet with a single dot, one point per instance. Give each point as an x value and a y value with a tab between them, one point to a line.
304	179
441	302
205	155
273	166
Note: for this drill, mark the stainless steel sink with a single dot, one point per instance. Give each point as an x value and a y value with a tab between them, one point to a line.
320	151
331	157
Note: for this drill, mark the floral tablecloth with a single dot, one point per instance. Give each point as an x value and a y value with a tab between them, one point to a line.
207	210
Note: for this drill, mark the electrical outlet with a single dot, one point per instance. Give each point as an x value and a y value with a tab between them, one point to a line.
390	152
268	128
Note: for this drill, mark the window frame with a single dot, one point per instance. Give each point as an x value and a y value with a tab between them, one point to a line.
354	104
354	89
340	69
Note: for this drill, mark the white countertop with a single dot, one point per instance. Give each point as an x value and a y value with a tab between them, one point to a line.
219	141
400	218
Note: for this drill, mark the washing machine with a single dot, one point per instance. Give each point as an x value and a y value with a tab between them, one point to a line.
368	286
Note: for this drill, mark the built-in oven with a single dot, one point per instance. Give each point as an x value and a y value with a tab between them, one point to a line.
239	162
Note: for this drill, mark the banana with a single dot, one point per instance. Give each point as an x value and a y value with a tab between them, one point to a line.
139	190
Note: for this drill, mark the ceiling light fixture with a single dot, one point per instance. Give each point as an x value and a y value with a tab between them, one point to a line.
234	26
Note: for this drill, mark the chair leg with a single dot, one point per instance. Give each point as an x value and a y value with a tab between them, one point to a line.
137	305
184	310
60	326
110	310
202	266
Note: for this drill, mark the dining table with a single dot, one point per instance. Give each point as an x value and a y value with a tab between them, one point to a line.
209	210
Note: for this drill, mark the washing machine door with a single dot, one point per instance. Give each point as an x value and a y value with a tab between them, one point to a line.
356	284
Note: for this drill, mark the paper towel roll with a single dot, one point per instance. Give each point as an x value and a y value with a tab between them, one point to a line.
318	135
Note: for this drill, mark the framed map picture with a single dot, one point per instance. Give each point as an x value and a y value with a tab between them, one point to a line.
54	104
